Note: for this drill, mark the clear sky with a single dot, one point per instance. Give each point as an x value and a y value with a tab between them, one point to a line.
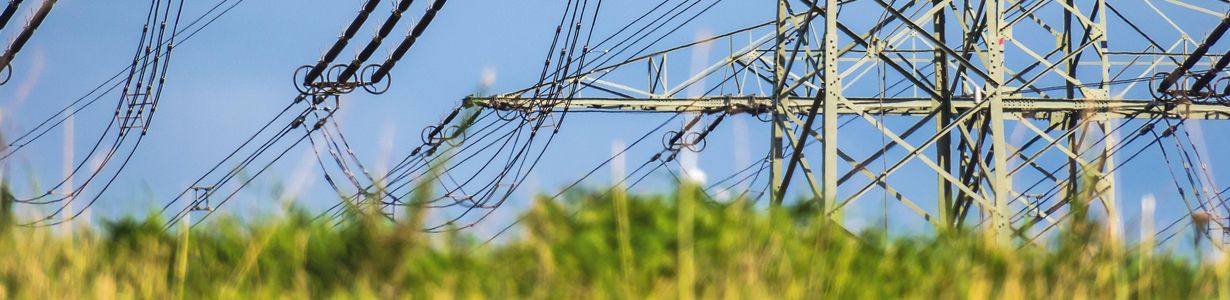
236	74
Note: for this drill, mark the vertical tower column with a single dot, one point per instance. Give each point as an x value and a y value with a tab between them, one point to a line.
1072	187
832	94
943	146
779	78
1001	182
1107	182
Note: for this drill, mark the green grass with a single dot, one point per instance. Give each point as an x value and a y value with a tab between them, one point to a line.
590	247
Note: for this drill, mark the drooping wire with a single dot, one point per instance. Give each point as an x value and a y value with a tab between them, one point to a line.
320	123
150	52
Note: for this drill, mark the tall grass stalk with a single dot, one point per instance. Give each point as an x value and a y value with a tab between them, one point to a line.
687	260
593	245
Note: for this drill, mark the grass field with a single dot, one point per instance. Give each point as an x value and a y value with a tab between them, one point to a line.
594	246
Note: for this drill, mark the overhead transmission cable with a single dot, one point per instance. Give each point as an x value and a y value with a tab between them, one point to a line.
299	120
143	102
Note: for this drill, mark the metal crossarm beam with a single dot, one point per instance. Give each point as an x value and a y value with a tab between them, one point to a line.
1014	107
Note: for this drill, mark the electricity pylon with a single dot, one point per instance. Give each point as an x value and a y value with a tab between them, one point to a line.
963	72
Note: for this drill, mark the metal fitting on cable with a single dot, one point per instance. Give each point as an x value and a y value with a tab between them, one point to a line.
1146	129
296	123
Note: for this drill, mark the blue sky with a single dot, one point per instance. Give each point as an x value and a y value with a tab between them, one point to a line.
236	74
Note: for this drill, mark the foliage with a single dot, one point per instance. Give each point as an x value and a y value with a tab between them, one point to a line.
594	245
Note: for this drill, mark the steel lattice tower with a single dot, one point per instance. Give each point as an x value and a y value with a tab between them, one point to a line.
977	66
